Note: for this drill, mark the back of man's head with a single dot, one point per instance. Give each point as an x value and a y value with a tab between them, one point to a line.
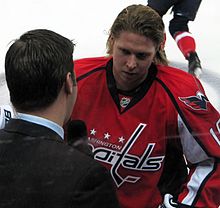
36	66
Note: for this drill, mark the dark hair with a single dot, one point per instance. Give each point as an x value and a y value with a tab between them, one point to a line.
36	65
141	20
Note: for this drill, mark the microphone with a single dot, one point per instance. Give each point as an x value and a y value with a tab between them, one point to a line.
77	136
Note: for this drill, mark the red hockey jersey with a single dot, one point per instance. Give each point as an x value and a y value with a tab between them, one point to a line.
132	136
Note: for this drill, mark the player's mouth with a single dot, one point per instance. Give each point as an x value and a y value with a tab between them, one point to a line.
128	75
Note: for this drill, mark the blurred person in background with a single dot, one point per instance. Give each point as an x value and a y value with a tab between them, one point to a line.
183	12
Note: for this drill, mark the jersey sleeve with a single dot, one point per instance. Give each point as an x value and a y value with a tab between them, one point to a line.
199	129
199	132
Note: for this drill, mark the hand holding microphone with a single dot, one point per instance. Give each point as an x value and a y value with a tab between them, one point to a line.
77	136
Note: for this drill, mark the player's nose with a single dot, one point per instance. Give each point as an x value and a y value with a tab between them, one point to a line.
131	62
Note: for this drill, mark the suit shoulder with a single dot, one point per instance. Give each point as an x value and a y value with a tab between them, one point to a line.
79	159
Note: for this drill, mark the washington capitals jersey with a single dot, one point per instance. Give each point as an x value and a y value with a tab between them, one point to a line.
133	136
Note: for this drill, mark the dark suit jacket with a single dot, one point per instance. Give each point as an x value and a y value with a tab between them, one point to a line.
37	169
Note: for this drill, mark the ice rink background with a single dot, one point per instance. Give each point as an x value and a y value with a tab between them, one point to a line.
87	23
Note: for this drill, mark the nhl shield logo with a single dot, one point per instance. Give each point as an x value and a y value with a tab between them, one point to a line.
124	102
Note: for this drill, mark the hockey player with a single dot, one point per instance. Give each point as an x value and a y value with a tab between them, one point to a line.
183	12
143	115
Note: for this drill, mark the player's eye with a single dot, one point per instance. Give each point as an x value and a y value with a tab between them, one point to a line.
125	51
141	56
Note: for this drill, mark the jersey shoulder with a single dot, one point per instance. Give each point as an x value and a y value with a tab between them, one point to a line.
85	65
177	78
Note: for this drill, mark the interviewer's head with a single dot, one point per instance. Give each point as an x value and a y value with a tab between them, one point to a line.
38	66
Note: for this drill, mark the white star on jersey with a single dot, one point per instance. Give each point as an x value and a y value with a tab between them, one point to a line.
121	139
92	131
106	136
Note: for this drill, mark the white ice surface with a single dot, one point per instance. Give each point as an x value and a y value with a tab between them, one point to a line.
88	22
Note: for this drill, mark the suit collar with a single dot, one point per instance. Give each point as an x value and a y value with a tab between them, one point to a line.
30	129
42	121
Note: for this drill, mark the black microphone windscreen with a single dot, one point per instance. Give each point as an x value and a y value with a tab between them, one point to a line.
76	129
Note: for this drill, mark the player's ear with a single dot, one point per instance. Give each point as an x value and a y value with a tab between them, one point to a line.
70	83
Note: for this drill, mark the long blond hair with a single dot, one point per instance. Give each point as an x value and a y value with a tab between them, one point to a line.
142	20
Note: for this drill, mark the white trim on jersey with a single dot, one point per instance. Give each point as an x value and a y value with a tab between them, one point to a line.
195	155
200	173
182	35
191	149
